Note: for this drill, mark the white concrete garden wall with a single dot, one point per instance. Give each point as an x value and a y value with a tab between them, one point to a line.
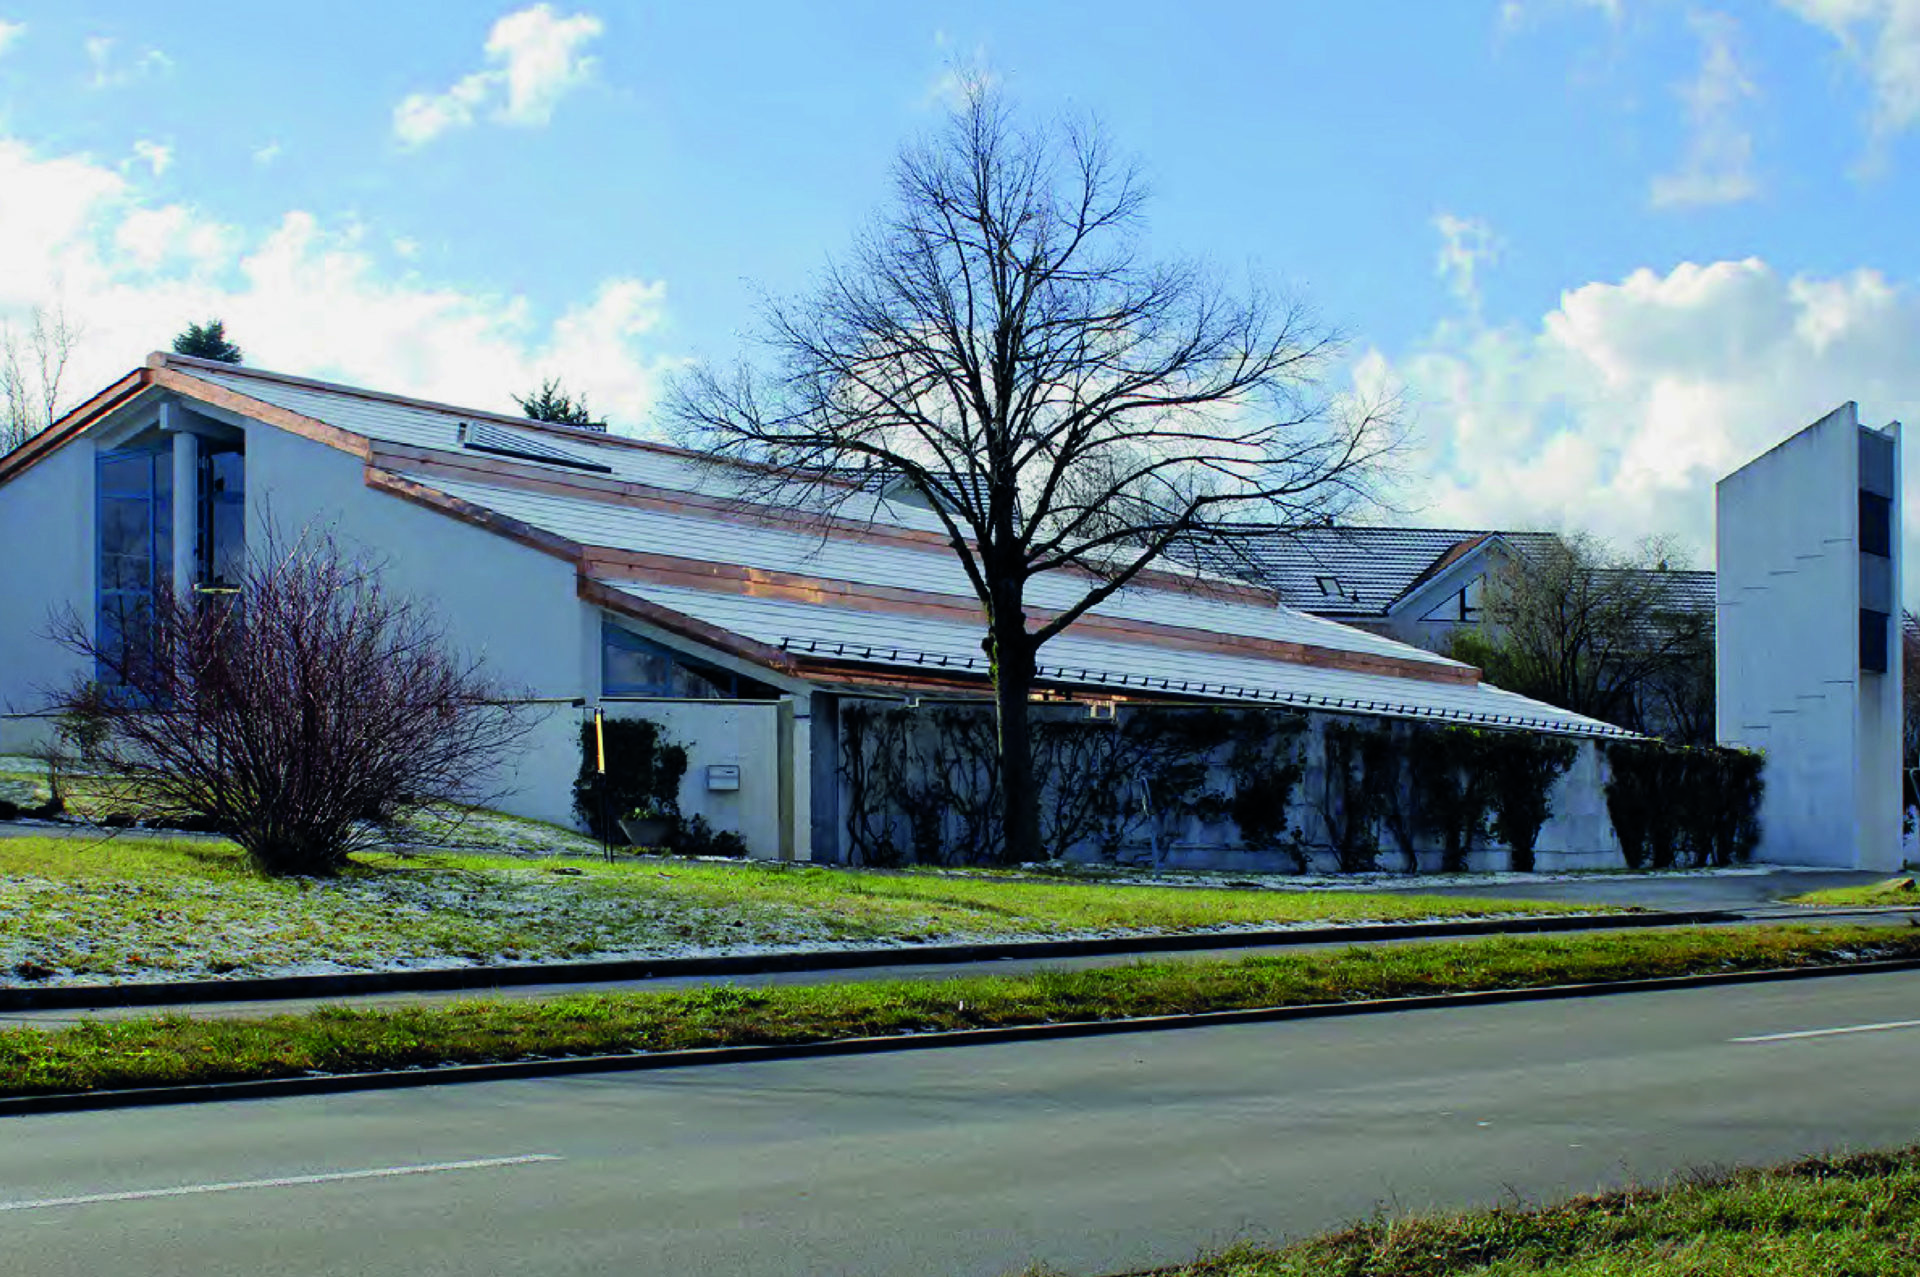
46	565
1578	834
743	734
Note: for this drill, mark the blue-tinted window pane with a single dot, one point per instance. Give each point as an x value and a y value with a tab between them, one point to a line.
126	473
221	549
125	526
134	520
631	666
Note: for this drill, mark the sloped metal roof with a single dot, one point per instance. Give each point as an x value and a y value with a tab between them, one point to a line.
894	642
659	532
869	626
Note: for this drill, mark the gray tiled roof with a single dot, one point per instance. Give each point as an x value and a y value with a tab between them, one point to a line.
1368	568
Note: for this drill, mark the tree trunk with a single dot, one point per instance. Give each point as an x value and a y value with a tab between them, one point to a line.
1013	672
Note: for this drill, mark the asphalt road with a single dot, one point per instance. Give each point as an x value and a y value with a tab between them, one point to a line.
1094	1154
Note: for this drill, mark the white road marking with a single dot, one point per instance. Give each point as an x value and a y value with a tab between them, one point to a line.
284	1181
1828	1033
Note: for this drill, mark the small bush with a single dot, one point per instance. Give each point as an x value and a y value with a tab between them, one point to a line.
1671	805
695	837
644	770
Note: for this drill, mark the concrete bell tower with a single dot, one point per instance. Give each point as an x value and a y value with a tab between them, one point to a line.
1808	639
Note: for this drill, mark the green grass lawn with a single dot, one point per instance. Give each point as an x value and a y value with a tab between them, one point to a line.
157	1050
144	907
89	797
1894	891
1855	1216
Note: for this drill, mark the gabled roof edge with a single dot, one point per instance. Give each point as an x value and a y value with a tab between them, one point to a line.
72	424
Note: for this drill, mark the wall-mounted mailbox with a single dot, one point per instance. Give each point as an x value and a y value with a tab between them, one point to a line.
722	777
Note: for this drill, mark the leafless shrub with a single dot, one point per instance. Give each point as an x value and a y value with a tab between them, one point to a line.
298	714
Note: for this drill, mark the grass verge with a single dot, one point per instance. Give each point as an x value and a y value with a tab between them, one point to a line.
1894	891
163	1050
139	907
1820	1217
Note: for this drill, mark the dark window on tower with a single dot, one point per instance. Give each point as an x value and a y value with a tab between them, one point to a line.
1876	525
1874	628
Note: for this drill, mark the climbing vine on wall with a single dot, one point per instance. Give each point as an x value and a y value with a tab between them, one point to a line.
1358	783
924	785
1447	789
1520	770
1266	768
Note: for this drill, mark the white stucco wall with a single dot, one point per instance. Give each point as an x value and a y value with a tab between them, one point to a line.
517	609
46	565
1789	681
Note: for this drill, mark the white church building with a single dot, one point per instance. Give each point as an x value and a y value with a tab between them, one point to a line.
611	571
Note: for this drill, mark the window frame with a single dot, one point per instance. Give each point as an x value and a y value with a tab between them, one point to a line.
725	683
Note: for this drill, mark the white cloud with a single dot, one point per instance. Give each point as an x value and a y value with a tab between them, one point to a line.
155	155
265	155
1884	37
1466	244
1619	410
1718	165
110	73
1516	13
303	296
10	32
535	57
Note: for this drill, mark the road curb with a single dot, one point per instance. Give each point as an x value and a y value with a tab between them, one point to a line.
446	979
443	1075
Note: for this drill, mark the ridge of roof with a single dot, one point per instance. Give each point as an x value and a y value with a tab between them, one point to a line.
576	434
1451	555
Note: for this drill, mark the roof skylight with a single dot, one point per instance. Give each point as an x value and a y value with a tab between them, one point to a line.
482	436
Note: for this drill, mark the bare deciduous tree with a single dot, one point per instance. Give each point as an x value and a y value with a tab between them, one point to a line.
33	363
1000	341
1576	624
298	714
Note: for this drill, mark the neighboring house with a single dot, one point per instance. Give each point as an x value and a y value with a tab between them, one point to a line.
1414	584
597	570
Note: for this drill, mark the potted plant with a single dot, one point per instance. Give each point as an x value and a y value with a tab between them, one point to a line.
647	825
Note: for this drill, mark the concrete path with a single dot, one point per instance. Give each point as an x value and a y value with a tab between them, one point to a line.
1098	1155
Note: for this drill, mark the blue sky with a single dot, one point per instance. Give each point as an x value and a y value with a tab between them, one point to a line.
1607	248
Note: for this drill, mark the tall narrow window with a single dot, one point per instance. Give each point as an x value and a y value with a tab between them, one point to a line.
221	522
133	506
1876	525
1874	640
